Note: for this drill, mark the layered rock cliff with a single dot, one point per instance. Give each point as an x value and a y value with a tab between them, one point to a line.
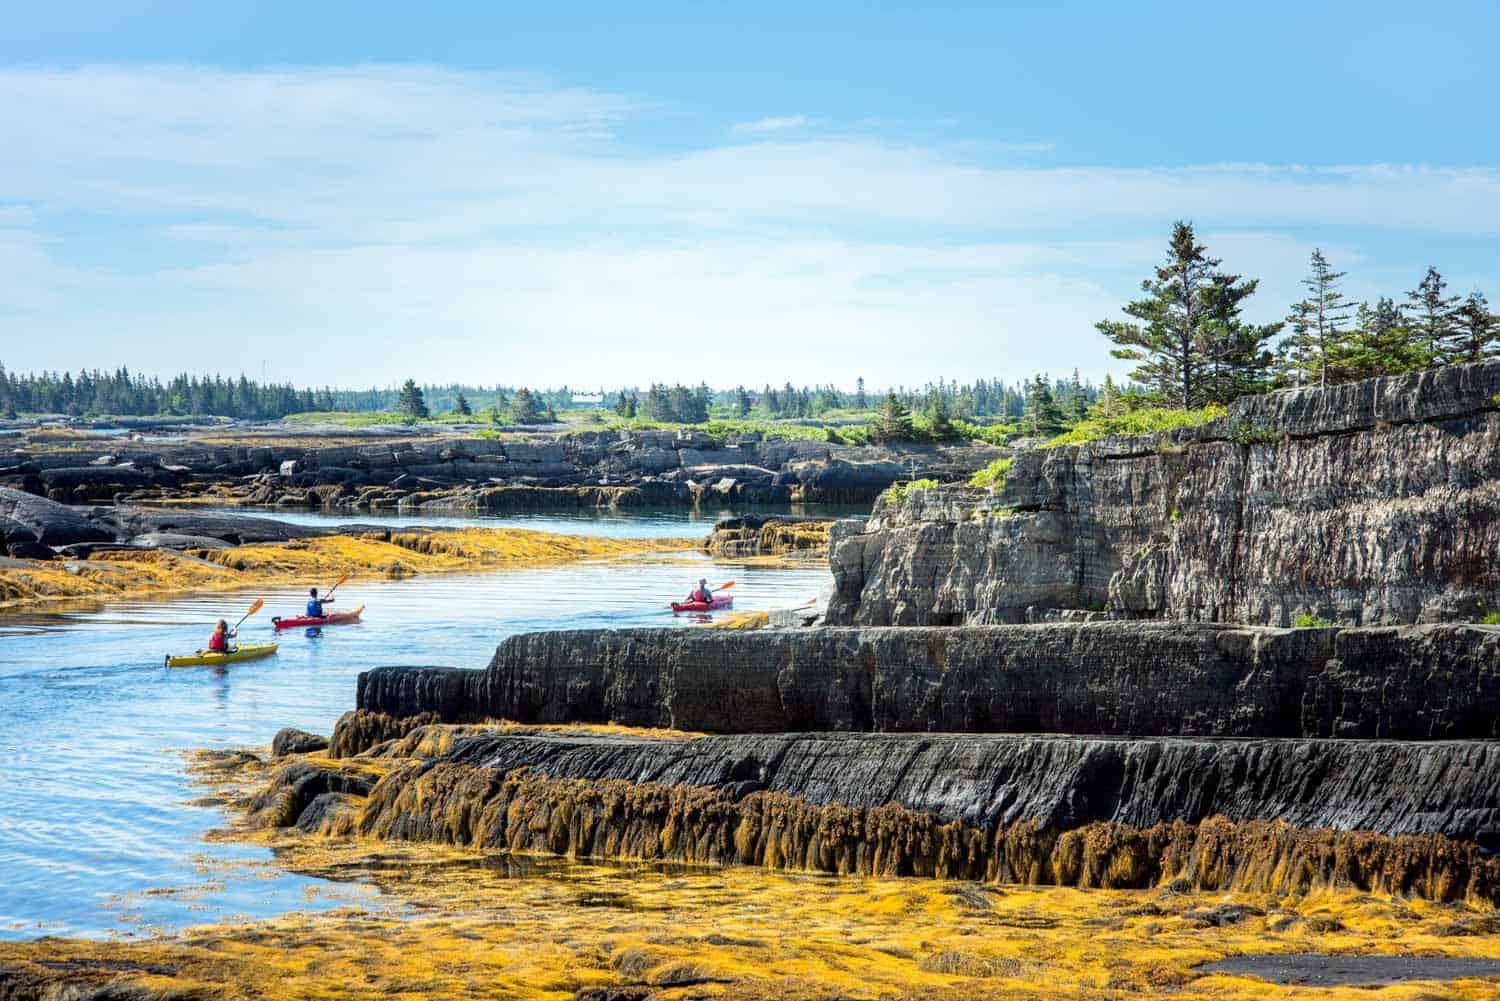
1417	683
1375	502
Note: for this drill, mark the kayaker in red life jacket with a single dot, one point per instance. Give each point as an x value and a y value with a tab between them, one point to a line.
219	641
314	606
701	592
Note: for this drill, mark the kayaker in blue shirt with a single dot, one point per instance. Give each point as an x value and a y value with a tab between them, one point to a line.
315	606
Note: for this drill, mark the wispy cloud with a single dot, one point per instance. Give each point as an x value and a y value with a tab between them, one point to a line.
783	123
498	216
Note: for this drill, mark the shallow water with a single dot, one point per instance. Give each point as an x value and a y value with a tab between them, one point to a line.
98	833
630	523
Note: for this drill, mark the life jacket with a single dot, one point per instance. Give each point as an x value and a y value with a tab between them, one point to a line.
314	608
219	642
699	594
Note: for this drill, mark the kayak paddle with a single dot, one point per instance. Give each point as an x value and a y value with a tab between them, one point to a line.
259	604
335	587
725	586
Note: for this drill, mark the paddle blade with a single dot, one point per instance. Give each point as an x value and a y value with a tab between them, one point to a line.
259	604
340	580
725	586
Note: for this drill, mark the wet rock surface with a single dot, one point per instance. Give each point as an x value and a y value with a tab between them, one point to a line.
1371	503
1318	970
1141	678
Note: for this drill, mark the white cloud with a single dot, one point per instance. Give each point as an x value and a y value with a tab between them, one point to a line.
378	208
760	126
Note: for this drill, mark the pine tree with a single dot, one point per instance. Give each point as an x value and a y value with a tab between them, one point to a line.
461	406
1432	315
939	419
1108	397
622	404
1381	342
1318	336
893	423
633	406
411	402
861	402
1189	309
1042	415
1476	331
741	402
1078	401
526	408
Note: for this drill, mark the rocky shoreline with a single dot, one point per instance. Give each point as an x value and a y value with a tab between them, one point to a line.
348	470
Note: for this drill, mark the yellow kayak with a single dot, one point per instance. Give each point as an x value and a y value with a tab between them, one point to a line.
245	651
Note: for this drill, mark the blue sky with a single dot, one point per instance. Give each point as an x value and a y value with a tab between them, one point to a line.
586	193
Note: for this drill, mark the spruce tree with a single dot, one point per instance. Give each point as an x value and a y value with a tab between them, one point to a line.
1381	343
622	404
1431	315
1109	397
1042	415
861	402
939	420
1318	323
526	408
461	406
1476	331
411	402
741	402
893	423
1078	401
1189	326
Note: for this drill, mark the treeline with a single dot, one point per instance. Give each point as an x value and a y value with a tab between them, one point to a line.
1193	347
122	393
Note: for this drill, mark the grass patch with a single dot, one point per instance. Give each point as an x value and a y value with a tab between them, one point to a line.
1145	421
897	492
1311	622
992	475
1490	619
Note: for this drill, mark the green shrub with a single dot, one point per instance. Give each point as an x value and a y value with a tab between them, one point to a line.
1146	421
898	492
992	475
1490	619
1311	622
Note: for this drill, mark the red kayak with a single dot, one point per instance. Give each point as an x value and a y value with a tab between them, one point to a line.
336	619
720	601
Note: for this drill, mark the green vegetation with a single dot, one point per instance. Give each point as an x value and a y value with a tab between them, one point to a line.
1490	619
992	475
1306	621
1144	421
894	422
412	403
898	492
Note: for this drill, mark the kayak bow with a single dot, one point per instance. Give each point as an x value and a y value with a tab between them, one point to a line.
203	658
336	619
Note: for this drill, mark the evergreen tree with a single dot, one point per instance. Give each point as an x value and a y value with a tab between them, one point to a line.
633	406
526	408
1189	308
658	403
893	423
1381	343
741	402
861	402
1108	397
411	402
1042	416
622	405
1431	315
1318	337
461	406
1476	331
1078	401
939	420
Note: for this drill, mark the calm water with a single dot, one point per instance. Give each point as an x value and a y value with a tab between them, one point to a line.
628	524
98	835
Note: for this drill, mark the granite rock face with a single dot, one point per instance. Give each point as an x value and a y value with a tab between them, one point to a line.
1376	502
1114	678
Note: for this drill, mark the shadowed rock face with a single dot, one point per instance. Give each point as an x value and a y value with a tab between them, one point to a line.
1118	678
1372	503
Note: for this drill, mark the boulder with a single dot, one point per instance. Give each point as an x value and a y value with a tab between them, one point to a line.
27	518
290	740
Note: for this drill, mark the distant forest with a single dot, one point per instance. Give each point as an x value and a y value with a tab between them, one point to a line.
123	393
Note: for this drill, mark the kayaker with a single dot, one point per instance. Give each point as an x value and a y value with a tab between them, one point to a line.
315	606
701	592
219	641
